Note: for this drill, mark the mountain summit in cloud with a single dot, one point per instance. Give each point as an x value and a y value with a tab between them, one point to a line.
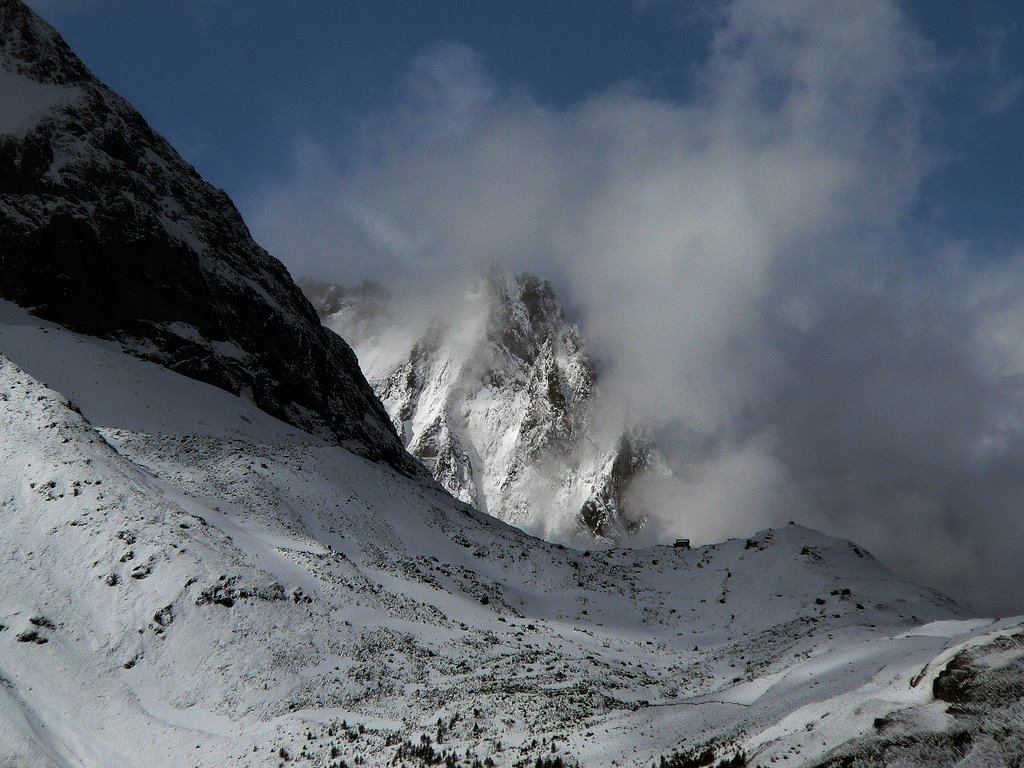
492	388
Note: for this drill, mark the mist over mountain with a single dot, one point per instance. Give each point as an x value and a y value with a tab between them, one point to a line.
216	552
493	389
755	263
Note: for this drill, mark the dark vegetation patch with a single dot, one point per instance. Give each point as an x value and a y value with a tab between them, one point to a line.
228	589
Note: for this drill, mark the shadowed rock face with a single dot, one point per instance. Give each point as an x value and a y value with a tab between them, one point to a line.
106	230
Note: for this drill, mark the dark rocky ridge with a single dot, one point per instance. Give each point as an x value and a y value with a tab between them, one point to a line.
106	230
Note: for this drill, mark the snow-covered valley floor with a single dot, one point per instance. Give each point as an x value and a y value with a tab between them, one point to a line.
185	580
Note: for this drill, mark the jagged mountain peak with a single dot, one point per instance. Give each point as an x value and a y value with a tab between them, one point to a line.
524	312
108	231
493	389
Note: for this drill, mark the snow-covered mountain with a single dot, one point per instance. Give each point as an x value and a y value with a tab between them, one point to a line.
188	580
210	586
107	230
494	391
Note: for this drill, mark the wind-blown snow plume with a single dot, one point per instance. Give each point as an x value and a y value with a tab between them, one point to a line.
740	261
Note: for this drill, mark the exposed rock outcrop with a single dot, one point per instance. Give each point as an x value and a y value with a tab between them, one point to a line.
498	397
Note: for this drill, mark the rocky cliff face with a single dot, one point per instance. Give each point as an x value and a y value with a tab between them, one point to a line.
106	230
498	397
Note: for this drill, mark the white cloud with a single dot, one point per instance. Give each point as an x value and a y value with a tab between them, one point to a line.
1001	86
738	262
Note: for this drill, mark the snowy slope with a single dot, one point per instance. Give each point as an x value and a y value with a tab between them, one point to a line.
493	390
213	587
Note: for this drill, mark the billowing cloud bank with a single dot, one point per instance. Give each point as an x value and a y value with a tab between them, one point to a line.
745	263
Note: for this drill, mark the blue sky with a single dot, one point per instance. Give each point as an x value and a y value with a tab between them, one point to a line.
233	84
789	231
